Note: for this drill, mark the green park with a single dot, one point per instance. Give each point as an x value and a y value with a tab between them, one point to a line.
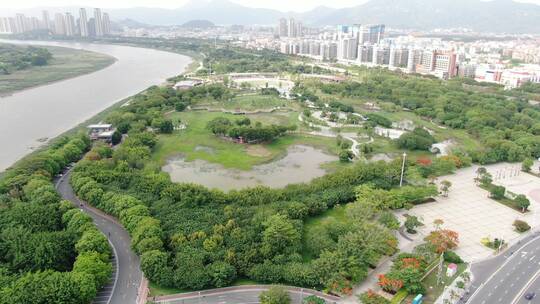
373	146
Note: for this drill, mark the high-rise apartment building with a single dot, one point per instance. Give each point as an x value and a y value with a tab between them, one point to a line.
70	25
347	48
106	24
365	53
291	28
413	59
92	27
381	55
19	23
398	57
46	20
98	22
329	50
59	24
371	33
83	23
5	25
299	29
283	28
445	64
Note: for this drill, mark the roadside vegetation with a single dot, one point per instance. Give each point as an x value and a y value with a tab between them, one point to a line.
50	252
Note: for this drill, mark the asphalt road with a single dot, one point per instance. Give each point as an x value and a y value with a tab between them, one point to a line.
127	276
508	277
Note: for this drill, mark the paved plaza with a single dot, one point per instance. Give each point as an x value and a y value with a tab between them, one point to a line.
469	211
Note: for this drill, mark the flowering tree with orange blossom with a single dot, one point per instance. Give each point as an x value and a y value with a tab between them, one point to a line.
443	240
389	284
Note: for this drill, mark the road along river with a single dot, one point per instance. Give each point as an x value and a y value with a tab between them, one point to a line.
29	117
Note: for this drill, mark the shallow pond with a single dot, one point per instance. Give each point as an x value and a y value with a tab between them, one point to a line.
301	164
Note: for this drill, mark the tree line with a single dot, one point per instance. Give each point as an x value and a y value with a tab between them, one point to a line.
50	252
242	129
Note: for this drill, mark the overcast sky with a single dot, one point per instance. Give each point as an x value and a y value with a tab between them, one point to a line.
282	5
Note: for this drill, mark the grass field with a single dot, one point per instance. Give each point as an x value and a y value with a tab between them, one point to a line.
226	153
251	102
66	63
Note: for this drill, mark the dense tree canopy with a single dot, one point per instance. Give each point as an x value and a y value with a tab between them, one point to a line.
49	252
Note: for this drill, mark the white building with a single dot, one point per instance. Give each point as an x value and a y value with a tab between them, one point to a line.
70	25
98	22
46	20
83	23
106	24
59	24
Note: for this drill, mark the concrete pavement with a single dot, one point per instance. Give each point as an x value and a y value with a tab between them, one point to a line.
469	211
124	285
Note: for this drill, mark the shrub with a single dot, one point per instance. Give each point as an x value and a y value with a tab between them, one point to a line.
313	300
521	226
497	192
275	295
411	223
452	257
527	164
371	297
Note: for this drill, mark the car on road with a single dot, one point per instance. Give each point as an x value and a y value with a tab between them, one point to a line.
530	295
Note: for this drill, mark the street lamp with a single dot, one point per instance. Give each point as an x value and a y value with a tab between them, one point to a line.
402	169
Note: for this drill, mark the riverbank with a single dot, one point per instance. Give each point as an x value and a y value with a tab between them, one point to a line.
66	63
79	100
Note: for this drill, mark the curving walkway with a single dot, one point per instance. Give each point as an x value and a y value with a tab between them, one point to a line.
327	132
127	277
238	294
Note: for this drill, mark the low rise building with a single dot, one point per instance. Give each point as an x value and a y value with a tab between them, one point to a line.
187	84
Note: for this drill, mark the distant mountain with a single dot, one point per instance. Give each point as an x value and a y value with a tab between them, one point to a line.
132	23
201	24
217	11
493	16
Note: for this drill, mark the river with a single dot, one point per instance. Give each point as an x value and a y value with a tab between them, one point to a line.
47	111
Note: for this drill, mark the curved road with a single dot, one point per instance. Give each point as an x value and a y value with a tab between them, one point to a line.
124	286
508	277
247	294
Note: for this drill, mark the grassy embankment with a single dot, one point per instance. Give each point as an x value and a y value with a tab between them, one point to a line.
66	63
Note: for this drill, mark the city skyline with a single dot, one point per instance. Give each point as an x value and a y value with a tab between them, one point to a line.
62	24
280	5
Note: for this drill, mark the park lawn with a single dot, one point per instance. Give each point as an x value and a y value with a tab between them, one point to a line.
276	118
250	103
66	63
387	146
226	153
461	137
433	291
336	213
156	290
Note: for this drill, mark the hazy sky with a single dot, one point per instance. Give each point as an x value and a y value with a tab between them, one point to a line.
283	5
